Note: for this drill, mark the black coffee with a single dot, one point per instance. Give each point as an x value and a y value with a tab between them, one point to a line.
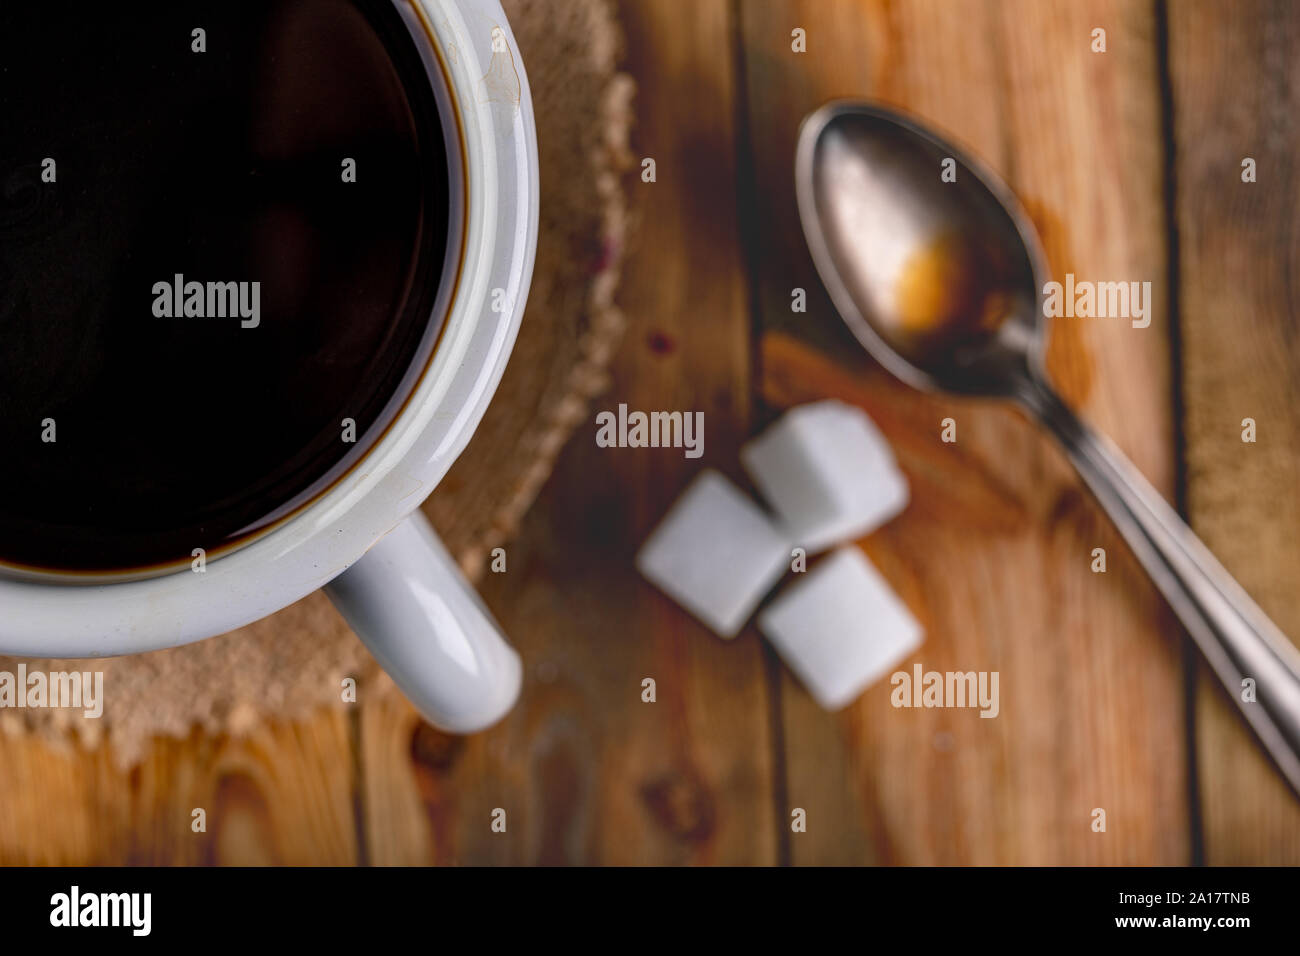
216	249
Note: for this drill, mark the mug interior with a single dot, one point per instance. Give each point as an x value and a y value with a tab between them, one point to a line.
395	412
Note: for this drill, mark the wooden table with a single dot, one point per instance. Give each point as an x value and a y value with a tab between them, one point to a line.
1130	163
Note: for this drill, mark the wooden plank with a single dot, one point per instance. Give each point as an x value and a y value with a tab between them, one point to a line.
1236	94
284	795
994	552
55	809
586	771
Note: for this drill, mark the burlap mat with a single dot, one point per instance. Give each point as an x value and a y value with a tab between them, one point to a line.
293	662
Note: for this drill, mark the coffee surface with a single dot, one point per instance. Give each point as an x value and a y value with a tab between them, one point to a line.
195	298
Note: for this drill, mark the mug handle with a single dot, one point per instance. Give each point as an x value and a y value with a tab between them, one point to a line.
408	601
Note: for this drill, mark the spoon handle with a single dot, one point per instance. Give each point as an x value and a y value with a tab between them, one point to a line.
1235	636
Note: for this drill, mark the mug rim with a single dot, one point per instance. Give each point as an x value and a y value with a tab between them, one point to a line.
102	613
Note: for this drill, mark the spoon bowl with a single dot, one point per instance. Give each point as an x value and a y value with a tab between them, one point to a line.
927	255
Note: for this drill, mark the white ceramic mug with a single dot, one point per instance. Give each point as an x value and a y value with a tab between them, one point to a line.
364	539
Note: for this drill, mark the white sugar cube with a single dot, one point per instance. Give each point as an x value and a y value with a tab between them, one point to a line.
840	628
828	472
715	553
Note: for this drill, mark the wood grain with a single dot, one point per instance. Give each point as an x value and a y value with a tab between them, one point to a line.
586	771
284	795
993	553
1236	94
